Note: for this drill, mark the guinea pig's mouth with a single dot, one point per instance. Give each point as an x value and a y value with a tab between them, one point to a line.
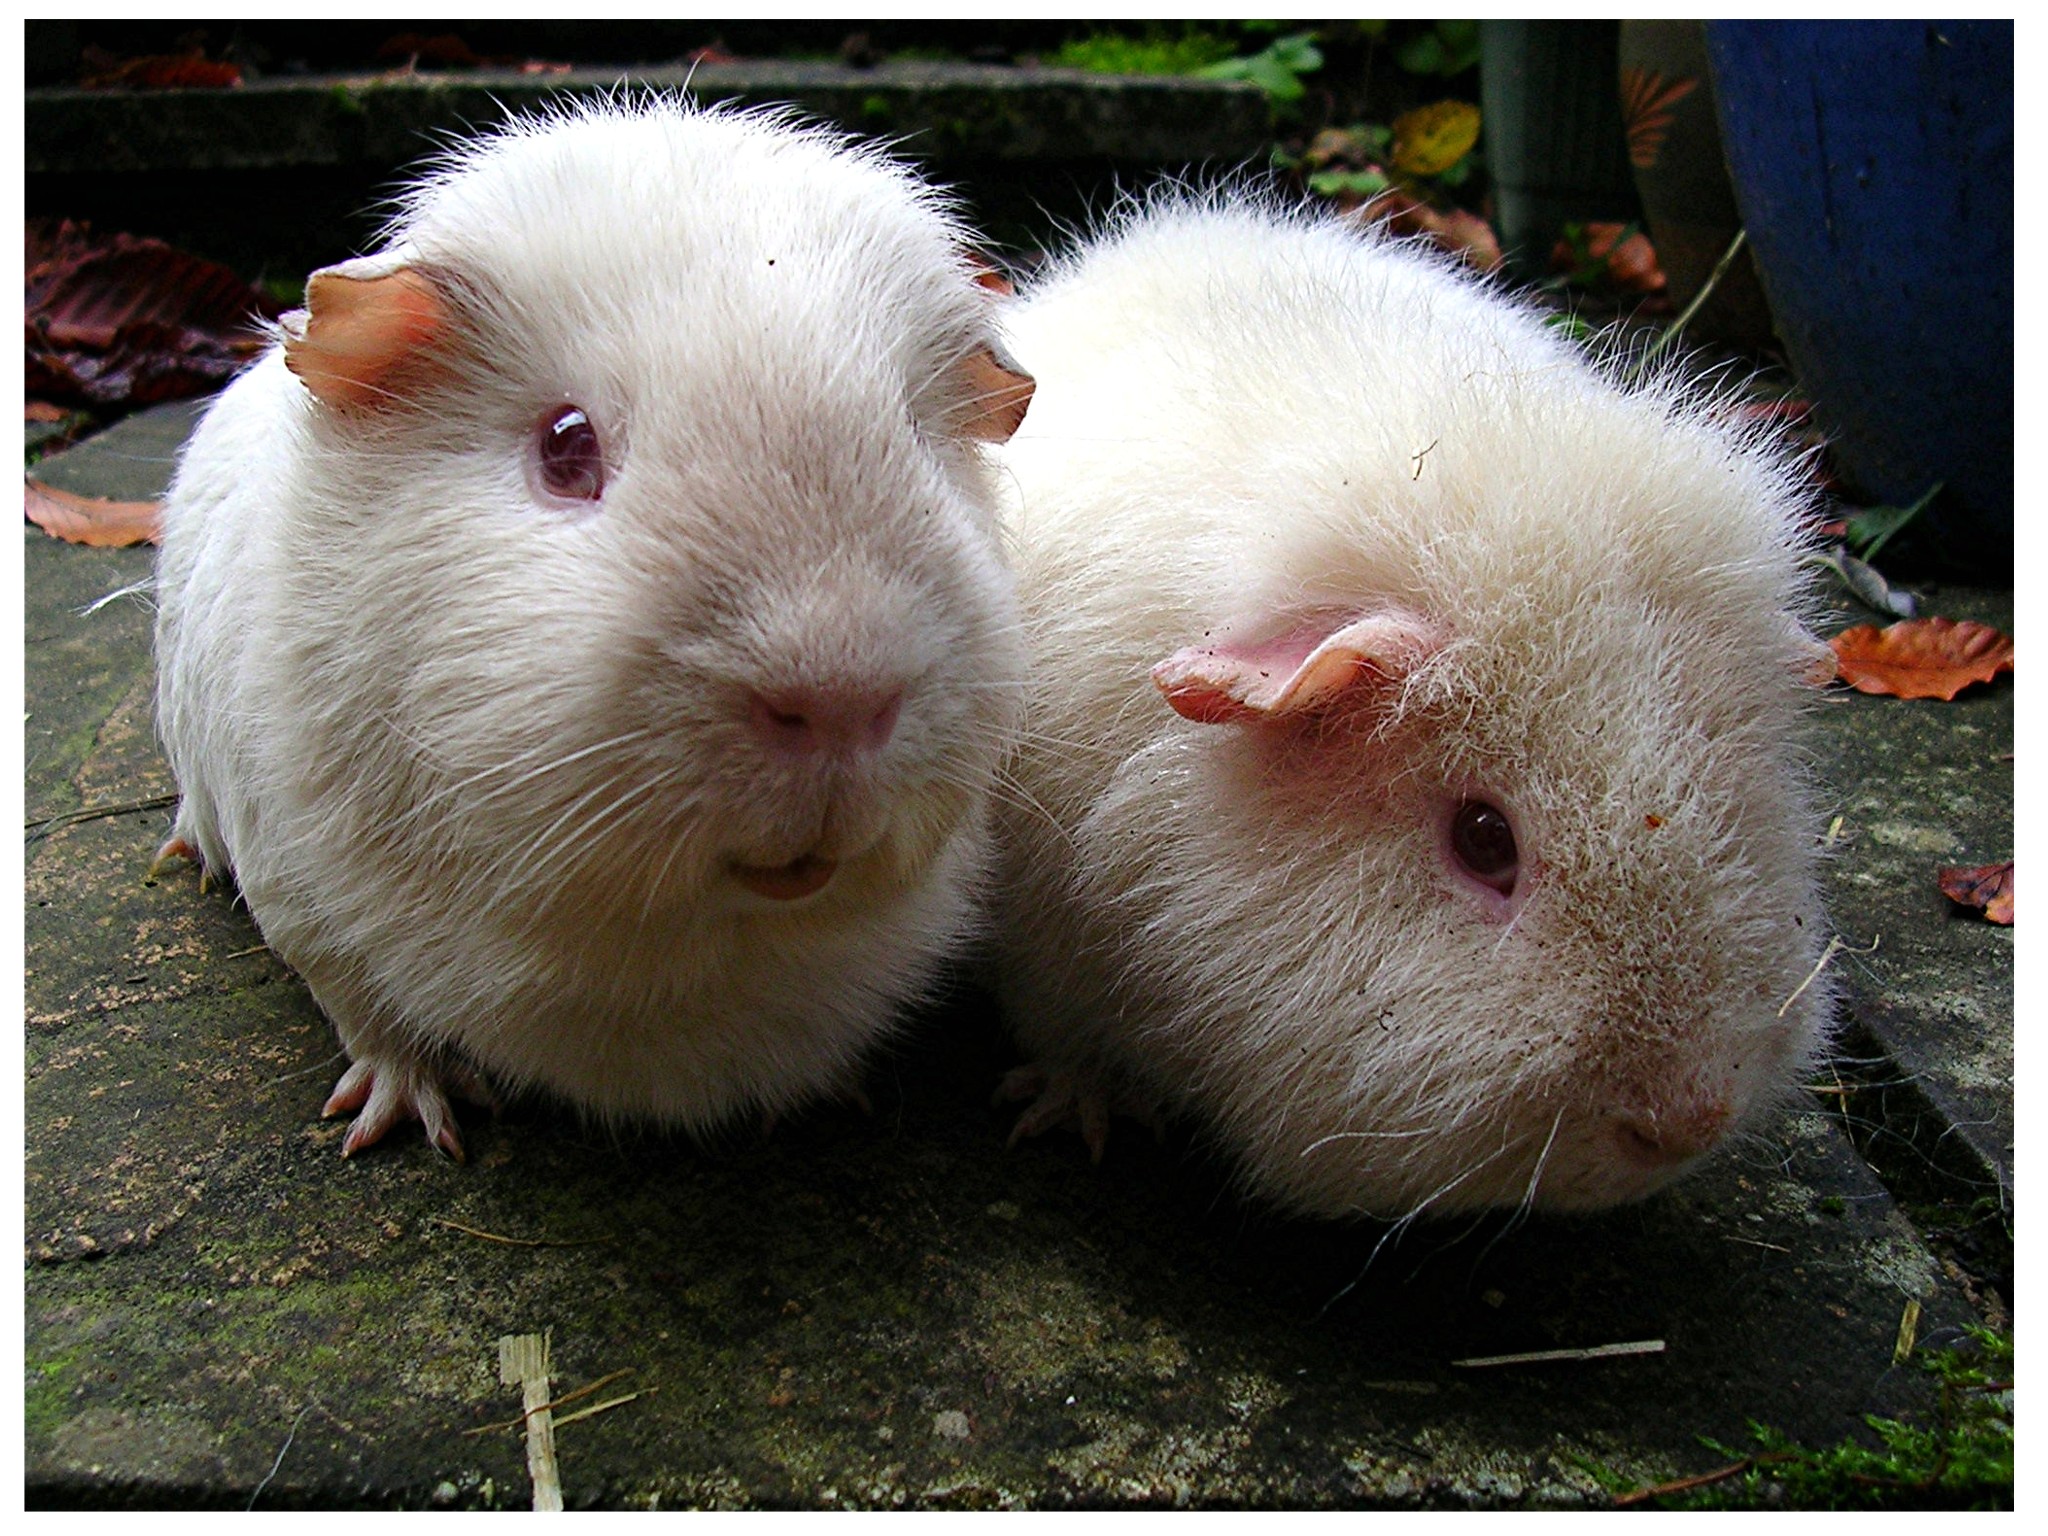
798	878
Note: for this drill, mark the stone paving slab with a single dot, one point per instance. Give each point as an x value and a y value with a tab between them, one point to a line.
1920	784
872	1310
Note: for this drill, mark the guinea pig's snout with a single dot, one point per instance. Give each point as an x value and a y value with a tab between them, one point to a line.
1665	1136
818	719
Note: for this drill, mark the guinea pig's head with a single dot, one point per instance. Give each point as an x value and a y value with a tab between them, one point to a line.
1504	868
648	561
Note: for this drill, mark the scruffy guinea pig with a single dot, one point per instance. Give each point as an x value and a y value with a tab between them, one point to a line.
1414	721
584	635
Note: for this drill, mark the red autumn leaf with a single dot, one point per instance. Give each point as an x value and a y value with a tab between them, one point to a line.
42	410
443	50
1460	233
89	520
1921	658
156	72
1988	886
1631	264
117	319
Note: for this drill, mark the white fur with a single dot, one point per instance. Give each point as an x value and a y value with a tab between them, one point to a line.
480	765
1247	418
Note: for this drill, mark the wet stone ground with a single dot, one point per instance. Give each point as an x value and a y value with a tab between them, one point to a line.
891	1309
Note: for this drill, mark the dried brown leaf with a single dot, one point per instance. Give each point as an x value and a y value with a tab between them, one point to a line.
117	319
89	520
1461	233
158	72
1987	887
1932	658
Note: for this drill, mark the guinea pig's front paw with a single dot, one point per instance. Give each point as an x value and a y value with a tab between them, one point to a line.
1069	1096
395	1086
175	848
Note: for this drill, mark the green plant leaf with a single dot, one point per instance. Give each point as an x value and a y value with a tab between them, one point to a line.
1276	70
1871	528
1448	48
1334	183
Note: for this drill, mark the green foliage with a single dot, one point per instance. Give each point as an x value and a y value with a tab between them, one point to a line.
1153	52
1870	529
1277	69
1362	184
1962	1461
1572	327
1447	48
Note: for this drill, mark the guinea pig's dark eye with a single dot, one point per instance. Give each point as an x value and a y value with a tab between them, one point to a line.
570	458
1483	843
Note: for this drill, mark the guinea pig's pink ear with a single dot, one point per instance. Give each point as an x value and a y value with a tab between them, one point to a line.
1310	668
998	391
366	324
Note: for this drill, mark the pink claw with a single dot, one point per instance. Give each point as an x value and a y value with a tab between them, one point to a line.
388	1089
1063	1097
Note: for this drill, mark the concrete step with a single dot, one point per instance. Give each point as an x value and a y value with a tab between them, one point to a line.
281	173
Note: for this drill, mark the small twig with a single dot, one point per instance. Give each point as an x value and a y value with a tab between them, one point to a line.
253	949
1685	315
523	1363
1909	1332
49	824
1417	458
1820	965
553	1403
1753	1242
584	1413
1686	1484
519	1242
1546	1356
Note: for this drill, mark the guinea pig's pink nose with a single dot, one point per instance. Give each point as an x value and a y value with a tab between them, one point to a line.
826	718
1674	1134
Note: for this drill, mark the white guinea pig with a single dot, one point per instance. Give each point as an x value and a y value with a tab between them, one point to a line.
585	637
1412	758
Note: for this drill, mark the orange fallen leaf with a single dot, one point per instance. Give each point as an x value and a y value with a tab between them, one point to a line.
1630	264
1988	886
42	410
1932	658
89	520
1461	233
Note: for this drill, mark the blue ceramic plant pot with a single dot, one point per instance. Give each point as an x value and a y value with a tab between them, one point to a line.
1872	162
